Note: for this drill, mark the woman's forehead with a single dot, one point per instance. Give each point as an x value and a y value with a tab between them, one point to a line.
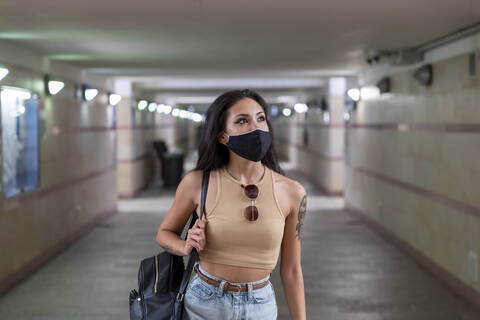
247	106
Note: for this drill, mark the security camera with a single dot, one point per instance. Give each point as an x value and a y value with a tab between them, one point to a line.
373	56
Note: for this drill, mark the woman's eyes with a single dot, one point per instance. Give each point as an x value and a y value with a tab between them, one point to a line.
261	117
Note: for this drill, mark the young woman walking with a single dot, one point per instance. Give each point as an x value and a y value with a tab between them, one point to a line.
252	213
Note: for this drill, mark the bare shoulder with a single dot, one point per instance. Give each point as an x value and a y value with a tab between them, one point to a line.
293	187
290	189
192	178
190	183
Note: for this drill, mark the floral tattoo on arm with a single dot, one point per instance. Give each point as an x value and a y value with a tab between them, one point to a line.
301	216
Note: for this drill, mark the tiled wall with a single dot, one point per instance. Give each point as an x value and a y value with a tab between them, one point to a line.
321	158
85	164
77	171
412	164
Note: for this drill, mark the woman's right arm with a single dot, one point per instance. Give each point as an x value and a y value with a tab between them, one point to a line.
169	231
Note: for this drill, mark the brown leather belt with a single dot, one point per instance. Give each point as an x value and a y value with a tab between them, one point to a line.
228	286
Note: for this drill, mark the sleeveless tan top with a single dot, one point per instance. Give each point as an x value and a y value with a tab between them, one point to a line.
233	240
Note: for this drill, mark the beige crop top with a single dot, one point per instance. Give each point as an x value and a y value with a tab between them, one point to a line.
233	240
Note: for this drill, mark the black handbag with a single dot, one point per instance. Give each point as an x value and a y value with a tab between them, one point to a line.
163	279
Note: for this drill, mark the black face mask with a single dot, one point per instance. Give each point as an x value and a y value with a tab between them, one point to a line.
252	146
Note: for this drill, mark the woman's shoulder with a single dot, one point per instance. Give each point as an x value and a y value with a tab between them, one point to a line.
193	178
289	187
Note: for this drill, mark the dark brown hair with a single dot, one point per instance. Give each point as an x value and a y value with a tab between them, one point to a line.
211	153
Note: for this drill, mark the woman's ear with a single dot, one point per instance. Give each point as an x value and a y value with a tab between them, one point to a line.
223	137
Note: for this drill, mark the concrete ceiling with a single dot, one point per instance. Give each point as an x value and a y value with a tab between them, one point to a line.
203	41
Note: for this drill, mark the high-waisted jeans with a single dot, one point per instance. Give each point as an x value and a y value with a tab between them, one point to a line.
205	301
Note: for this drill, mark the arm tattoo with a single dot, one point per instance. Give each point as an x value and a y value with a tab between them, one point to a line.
301	216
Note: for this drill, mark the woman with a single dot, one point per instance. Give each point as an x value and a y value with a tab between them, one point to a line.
252	212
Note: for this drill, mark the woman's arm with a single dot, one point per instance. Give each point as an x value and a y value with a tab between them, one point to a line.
290	265
169	231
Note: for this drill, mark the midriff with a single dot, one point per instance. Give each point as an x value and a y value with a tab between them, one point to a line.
234	273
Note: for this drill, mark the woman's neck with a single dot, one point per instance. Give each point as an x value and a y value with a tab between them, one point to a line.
247	172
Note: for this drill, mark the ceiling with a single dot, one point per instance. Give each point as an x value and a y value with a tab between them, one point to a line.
174	45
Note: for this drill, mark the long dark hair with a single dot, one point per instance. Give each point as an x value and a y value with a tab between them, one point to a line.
211	153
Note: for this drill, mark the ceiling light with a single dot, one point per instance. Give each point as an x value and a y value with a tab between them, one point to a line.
142	104
114	99
16	93
167	109
354	94
369	92
197	117
175	112
160	108
286	112
183	114
3	72
152	106
89	93
300	107
53	85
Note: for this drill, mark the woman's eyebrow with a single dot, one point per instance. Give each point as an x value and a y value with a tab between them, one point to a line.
246	114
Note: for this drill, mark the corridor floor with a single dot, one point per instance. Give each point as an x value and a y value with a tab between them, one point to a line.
349	271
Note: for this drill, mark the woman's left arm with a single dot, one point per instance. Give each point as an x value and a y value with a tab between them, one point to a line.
290	265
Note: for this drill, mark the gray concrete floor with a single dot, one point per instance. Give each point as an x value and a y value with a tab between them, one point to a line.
349	271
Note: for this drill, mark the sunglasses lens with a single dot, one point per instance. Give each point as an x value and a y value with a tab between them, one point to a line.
251	191
251	213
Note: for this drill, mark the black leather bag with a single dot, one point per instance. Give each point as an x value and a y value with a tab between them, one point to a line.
163	279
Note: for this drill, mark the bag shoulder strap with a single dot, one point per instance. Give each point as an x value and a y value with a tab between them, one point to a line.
194	254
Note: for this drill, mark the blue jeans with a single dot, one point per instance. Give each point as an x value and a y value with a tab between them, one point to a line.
205	301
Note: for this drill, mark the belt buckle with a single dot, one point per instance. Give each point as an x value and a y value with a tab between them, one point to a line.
236	285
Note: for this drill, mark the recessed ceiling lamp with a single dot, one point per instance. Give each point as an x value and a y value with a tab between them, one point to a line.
300	107
142	104
197	117
167	109
183	114
152	106
287	112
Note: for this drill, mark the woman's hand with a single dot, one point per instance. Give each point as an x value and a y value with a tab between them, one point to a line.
196	237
